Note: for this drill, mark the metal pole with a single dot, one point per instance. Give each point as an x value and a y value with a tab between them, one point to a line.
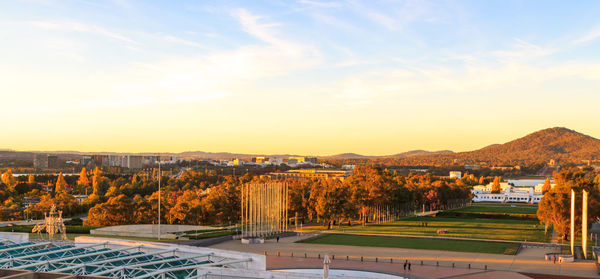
159	177
242	211
584	226
287	191
572	236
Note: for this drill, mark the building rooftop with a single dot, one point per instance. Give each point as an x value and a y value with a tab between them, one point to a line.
91	257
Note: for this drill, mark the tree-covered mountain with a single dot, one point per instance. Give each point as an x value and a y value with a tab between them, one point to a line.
556	143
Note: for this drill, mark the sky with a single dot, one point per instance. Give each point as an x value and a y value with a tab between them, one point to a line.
311	77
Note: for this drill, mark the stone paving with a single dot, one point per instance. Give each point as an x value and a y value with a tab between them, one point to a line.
417	271
530	260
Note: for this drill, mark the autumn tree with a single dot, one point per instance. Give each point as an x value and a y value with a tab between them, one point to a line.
31	179
96	180
143	213
546	187
62	200
187	209
299	197
555	206
83	178
496	185
222	204
8	178
432	198
116	211
60	184
369	187
112	191
332	202
99	185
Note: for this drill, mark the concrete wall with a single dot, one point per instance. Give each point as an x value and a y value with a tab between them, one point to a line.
166	231
16	237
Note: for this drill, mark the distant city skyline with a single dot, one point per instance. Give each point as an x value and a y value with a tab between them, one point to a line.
300	77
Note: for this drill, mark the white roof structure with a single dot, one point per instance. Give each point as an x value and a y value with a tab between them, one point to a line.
115	259
104	257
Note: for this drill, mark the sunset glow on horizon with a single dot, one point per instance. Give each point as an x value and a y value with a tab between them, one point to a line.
294	77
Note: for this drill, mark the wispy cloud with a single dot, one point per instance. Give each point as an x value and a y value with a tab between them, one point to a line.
590	36
81	27
177	40
523	49
250	23
399	17
320	4
214	75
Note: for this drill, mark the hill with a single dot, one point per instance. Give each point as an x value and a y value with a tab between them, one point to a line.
539	147
399	155
420	153
347	156
552	143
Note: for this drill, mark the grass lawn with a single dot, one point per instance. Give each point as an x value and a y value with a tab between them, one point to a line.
416	243
499	208
502	229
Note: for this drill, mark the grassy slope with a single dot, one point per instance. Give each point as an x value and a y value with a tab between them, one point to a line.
416	243
518	230
519	209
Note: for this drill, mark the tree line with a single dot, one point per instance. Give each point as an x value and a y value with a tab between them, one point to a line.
205	197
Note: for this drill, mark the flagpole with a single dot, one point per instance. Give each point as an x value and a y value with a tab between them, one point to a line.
159	177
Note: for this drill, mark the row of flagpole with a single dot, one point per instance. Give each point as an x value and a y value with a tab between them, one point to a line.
264	209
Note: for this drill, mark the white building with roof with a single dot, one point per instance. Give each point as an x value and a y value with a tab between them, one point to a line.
508	193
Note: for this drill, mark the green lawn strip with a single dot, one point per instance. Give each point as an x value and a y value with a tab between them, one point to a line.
505	229
497	209
28	228
416	243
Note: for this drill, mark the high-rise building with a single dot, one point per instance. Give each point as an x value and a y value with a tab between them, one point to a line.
100	160
133	162
304	160
45	161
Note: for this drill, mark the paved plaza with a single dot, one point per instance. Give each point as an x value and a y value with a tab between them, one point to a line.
528	260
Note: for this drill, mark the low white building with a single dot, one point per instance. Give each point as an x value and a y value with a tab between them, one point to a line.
508	193
456	174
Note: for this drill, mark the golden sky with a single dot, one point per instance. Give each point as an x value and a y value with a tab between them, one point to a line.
307	77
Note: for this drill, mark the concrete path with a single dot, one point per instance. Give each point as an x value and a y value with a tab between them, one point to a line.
529	260
395	268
